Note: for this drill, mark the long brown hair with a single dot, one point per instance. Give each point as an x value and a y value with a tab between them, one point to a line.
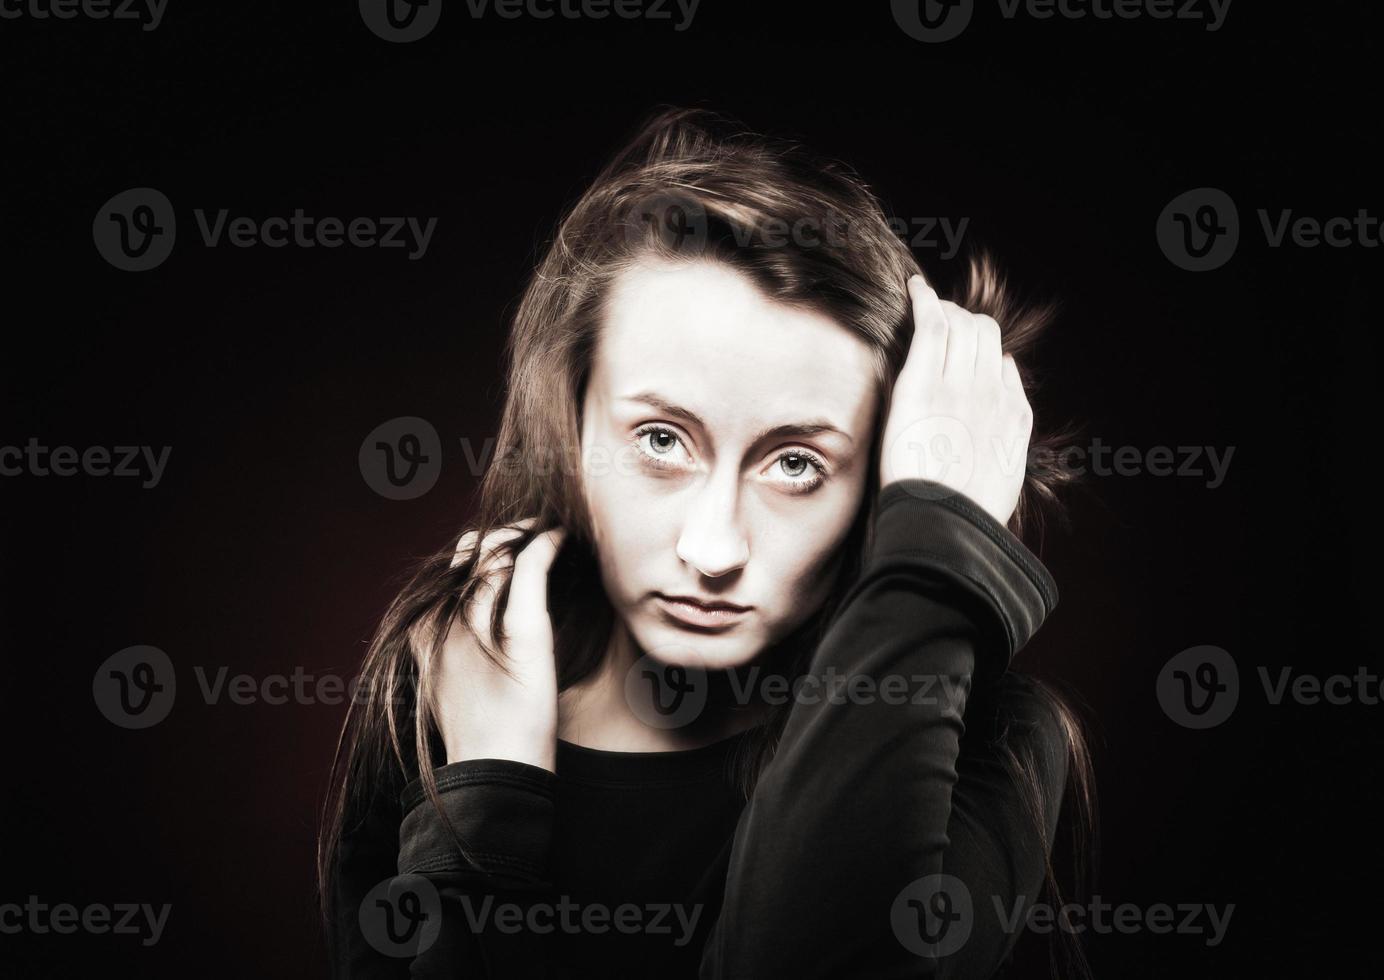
806	231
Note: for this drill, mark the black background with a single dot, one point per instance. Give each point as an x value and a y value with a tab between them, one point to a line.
263	549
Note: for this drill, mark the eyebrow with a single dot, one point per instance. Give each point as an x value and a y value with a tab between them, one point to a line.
811	427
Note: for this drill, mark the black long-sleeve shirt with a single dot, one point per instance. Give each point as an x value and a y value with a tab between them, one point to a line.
885	838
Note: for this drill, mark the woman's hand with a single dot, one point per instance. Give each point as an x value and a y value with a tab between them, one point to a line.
484	711
958	415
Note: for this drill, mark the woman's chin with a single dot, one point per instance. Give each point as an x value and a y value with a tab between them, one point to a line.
705	649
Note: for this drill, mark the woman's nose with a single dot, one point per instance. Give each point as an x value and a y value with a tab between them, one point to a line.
712	539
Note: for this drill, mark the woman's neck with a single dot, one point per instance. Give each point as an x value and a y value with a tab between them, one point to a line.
596	712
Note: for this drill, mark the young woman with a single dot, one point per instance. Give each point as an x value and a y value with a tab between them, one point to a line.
687	697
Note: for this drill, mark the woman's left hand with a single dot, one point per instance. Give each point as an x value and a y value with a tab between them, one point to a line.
958	414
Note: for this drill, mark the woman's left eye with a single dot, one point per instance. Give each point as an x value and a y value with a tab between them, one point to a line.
795	464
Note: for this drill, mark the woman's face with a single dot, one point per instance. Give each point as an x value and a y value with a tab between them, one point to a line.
724	439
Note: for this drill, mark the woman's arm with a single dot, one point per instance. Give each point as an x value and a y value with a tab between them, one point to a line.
843	863
503	810
470	879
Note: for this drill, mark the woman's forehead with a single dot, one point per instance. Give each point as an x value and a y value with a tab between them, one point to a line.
702	336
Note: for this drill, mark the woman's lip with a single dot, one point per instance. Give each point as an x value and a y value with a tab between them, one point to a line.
695	615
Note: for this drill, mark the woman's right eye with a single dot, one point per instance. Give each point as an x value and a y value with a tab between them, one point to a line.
660	445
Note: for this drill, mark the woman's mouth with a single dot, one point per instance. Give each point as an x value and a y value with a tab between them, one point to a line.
710	614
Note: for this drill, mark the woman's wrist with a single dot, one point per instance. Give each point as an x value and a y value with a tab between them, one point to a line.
536	748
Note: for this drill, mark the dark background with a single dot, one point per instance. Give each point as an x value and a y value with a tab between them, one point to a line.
264	550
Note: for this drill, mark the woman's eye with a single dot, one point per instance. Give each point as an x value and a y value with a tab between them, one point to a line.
796	470
660	445
804	471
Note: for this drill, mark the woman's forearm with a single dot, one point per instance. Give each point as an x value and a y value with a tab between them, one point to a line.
853	810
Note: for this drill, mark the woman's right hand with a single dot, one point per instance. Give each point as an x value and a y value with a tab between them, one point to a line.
485	711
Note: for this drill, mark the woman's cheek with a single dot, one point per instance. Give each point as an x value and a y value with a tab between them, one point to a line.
629	530
807	569
605	486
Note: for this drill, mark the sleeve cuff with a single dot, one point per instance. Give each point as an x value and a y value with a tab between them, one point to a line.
498	820
922	521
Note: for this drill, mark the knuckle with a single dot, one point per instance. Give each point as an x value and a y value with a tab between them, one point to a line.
496	571
536	550
499	536
466	542
960	320
473	627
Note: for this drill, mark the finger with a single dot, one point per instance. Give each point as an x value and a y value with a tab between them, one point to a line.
496	537
962	340
527	609
489	575
989	349
927	351
1010	373
464	546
